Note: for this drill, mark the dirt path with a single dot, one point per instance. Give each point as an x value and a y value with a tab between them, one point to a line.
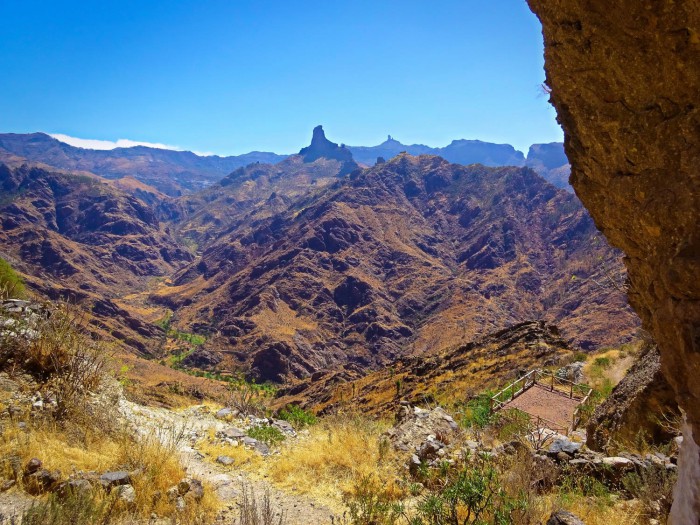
299	510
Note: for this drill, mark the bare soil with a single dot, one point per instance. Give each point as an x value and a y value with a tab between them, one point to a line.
540	401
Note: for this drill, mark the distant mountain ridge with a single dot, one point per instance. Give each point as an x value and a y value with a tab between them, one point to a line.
176	173
549	160
171	172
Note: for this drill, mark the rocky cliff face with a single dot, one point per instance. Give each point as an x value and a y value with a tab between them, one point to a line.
642	402
625	80
321	147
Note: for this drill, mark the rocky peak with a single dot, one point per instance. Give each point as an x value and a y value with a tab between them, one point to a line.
321	147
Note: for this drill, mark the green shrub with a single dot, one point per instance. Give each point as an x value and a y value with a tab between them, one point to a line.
511	424
653	487
371	503
580	357
603	362
11	284
297	416
470	494
268	435
477	412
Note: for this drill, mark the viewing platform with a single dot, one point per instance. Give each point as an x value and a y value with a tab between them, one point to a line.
551	402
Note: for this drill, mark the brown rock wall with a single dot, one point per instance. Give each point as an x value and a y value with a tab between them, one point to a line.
625	80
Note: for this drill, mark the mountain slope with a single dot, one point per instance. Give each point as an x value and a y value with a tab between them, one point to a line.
410	255
549	160
171	172
441	376
80	238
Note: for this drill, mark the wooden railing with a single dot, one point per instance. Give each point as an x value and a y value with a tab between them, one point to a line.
577	413
513	390
553	383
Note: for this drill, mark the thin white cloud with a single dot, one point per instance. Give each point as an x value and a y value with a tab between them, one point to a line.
109	144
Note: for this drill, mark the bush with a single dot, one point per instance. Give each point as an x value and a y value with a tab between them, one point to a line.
477	413
249	398
653	487
79	508
603	362
473	493
11	284
370	503
580	357
268	435
510	424
297	416
59	352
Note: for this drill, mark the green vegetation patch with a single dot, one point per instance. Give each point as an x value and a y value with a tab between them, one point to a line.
266	434
11	284
297	416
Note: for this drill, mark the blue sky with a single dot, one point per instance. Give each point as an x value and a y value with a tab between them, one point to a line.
234	76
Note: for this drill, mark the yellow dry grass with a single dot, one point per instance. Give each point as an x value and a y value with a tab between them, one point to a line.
243	458
72	449
283	321
329	457
592	511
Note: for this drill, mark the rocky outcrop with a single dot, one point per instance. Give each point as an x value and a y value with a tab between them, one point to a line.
321	147
642	402
624	79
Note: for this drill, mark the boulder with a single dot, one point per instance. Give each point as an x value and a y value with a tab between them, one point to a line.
225	460
41	481
115	479
32	466
284	427
225	413
564	517
191	487
126	494
231	433
415	427
563	446
73	487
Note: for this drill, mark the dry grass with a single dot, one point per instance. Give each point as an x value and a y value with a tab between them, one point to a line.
593	512
82	435
74	450
243	457
65	449
326	462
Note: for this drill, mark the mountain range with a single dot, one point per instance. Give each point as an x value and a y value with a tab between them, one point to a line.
178	172
315	262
